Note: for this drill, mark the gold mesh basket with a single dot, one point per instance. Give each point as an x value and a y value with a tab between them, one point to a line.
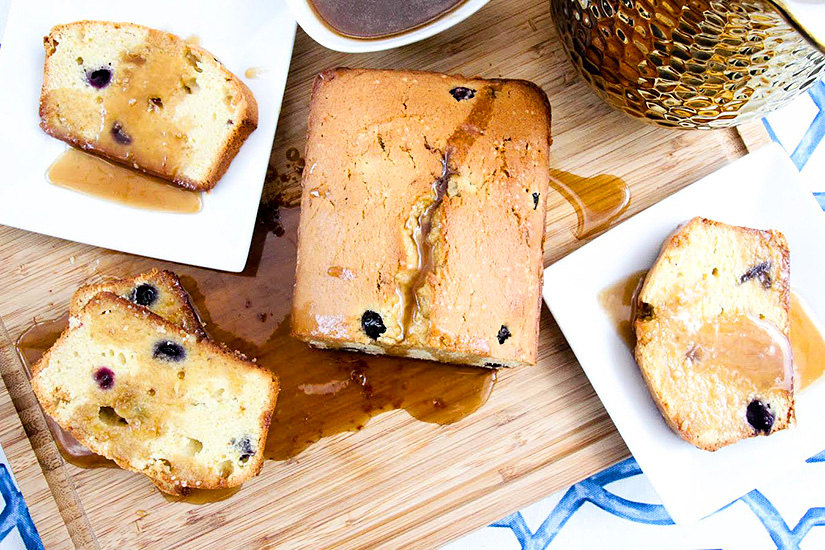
687	63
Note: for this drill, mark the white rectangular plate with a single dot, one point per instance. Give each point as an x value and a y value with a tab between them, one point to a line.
254	33
762	190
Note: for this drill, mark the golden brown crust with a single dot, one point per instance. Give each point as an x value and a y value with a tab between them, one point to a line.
242	130
164	483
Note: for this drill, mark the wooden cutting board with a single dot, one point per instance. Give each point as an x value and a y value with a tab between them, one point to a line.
398	482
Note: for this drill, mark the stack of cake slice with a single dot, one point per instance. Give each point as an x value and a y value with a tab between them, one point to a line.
156	396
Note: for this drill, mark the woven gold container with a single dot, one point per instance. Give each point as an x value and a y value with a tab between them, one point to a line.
687	63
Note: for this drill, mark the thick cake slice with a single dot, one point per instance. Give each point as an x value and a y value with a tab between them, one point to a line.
159	291
422	216
148	395
146	99
712	327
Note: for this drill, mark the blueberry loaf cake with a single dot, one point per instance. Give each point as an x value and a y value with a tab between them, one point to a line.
152	397
146	99
159	291
422	217
712	327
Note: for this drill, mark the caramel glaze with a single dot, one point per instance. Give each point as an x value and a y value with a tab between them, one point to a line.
807	343
95	176
131	125
361	19
455	151
756	350
598	200
328	392
619	302
424	246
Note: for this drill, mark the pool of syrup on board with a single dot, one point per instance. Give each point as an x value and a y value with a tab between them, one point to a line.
598	201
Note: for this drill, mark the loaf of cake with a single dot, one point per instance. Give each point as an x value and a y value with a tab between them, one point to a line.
146	99
422	217
154	398
159	291
712	327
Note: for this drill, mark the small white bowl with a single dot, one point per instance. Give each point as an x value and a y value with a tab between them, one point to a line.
315	27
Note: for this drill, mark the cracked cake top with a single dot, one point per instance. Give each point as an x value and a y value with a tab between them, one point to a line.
422	216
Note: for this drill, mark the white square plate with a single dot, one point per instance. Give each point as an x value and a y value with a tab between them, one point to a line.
254	33
762	190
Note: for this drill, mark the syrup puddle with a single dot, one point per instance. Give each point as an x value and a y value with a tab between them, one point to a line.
326	392
807	340
323	393
598	201
254	72
619	300
807	344
91	175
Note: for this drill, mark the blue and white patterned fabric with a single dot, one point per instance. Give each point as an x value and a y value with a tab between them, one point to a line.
618	509
17	530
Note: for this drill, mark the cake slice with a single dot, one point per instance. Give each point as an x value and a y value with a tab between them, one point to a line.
712	326
422	217
159	291
146	99
152	397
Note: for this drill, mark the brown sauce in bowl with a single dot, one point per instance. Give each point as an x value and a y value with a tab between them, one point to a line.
378	18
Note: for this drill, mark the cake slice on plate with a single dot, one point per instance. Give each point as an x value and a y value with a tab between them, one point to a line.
146	99
712	326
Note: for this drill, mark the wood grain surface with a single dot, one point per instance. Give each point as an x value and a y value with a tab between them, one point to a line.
399	482
37	479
